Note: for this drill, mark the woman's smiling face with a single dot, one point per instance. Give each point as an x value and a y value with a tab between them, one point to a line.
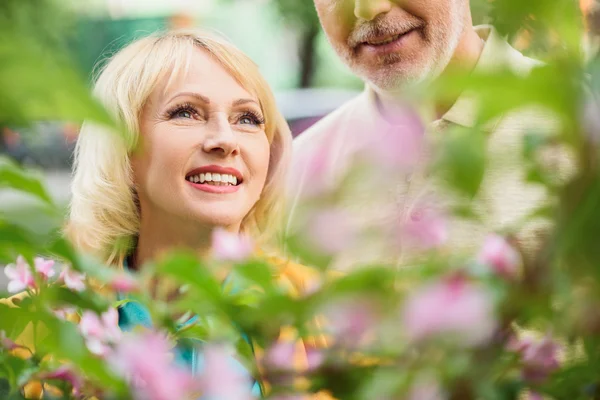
204	154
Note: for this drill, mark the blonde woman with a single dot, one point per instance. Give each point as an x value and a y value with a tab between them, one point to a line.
204	147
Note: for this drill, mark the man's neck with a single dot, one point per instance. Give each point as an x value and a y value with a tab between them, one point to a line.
464	59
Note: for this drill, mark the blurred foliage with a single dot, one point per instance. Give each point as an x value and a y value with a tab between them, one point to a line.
371	354
302	16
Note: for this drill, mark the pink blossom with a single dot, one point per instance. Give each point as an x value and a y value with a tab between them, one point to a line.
147	360
19	275
534	396
452	306
281	355
124	283
402	147
7	343
222	378
100	332
501	256
65	373
44	267
425	228
64	312
314	357
426	388
227	246
73	279
331	230
539	357
352	319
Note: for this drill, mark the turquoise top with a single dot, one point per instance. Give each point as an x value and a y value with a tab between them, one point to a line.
133	313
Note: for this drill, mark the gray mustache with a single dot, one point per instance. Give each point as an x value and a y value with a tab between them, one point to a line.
374	29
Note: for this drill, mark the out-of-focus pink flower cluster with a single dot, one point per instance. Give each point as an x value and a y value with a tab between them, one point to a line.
100	332
498	254
227	246
539	357
146	360
452	307
21	276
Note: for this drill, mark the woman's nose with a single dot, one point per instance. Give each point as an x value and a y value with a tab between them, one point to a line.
221	139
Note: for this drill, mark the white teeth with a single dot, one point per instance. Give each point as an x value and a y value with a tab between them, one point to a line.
214	178
386	41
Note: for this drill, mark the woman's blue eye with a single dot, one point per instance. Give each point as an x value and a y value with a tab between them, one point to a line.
184	114
185	111
247	120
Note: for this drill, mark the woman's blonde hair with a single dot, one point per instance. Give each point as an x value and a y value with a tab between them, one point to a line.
104	217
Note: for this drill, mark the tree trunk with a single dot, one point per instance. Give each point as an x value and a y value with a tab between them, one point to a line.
307	55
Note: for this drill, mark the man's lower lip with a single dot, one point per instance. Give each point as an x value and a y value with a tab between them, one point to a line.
214	188
388	47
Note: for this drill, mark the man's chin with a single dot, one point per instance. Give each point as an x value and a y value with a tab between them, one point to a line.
393	82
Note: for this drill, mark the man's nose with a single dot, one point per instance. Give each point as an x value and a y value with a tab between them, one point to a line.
369	9
221	139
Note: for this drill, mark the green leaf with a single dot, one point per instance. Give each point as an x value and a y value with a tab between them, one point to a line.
258	272
48	87
463	160
14	177
193	331
187	269
14	369
62	296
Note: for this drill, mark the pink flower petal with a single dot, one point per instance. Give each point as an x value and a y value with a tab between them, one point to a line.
124	283
90	325
19	275
500	256
73	279
426	388
44	267
281	355
540	357
425	228
331	231
100	331
453	307
351	320
227	246
7	343
224	378
146	360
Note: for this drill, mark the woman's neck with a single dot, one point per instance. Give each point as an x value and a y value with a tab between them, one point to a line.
156	239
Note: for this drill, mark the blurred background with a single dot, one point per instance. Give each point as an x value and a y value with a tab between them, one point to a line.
282	36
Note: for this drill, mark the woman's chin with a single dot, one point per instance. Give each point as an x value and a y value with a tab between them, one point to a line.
216	218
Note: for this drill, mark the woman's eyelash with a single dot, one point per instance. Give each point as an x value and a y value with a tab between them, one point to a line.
256	117
188	107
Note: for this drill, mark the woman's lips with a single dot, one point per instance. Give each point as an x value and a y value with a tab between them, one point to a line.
386	45
209	188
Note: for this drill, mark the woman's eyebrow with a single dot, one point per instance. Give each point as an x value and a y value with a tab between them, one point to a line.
197	96
240	102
